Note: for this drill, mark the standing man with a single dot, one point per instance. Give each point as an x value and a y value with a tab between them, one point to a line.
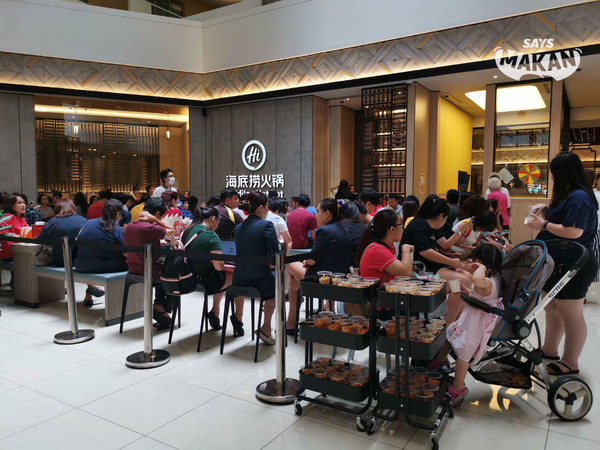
228	218
452	196
167	178
302	223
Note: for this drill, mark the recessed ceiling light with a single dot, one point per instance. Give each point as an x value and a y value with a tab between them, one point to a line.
495	76
347	99
513	98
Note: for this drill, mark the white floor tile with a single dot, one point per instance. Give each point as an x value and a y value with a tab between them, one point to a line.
75	429
6	333
558	441
36	319
306	434
232	424
90	382
19	345
22	408
475	431
43	364
520	406
146	443
150	404
6	385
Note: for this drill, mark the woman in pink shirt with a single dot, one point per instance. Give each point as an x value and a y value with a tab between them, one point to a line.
494	184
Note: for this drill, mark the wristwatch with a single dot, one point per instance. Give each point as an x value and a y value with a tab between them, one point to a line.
545	225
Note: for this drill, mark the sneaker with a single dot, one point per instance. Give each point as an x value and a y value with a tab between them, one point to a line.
214	321
456	397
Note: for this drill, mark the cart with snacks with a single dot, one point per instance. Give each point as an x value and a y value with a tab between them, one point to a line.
331	377
411	389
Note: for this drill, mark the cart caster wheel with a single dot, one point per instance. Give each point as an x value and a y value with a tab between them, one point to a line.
434	444
361	424
370	428
298	409
570	398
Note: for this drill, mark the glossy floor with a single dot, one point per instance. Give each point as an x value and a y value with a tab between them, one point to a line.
83	396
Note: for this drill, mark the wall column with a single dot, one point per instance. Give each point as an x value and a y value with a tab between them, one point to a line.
341	145
17	144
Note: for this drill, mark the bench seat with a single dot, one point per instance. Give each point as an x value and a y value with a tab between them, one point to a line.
114	285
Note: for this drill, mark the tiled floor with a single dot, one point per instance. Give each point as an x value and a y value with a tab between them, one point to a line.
83	396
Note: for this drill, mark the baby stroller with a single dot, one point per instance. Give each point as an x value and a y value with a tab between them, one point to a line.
513	361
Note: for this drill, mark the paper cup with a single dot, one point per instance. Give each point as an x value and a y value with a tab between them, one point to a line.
454	286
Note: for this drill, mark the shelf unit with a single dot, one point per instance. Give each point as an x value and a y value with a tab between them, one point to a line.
90	156
384	139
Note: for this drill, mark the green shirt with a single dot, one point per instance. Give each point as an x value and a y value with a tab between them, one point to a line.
206	241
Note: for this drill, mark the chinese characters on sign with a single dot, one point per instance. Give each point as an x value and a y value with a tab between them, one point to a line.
262	183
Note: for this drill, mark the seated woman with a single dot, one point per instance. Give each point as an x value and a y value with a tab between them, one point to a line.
376	251
43	208
105	230
410	208
422	235
14	219
171	199
66	222
333	247
255	237
351	221
201	236
467	210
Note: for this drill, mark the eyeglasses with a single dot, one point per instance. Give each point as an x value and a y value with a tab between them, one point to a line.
398	224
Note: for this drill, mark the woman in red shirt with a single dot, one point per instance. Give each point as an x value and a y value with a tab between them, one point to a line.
14	217
171	198
376	250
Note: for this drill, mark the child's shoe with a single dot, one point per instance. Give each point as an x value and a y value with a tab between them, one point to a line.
456	397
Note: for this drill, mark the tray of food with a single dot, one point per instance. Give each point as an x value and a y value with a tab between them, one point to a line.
339	287
336	329
426	338
425	393
336	378
423	296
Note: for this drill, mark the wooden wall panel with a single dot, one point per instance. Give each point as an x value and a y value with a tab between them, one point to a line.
289	143
220	147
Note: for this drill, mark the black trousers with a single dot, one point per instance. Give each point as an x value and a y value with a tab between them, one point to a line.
162	298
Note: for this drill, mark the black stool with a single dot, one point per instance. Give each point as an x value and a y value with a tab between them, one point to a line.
131	279
240	291
204	318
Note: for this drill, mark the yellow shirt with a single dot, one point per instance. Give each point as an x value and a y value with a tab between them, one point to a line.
135	211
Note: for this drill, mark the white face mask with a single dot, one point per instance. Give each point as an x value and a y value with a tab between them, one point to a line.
171	181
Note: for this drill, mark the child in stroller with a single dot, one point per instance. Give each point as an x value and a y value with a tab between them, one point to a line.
469	334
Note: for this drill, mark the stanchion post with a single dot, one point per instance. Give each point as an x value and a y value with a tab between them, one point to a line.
280	390
148	358
74	335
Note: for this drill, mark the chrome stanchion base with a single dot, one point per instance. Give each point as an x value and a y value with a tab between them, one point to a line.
68	337
141	360
267	391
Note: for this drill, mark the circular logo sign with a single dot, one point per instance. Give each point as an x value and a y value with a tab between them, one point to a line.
254	155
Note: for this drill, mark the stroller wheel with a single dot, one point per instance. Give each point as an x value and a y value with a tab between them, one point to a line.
570	398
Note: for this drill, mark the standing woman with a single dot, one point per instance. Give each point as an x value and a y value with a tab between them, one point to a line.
43	208
572	215
14	218
255	237
495	194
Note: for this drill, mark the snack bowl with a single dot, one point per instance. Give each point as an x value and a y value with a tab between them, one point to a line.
348	371
308	369
430	387
427	338
337	377
321	361
327	313
308	322
434	378
324	277
358	381
320	373
425	396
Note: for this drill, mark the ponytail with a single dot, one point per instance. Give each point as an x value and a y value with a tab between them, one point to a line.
253	200
377	229
333	206
432	207
200	215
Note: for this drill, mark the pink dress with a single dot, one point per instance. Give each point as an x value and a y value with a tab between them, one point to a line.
470	333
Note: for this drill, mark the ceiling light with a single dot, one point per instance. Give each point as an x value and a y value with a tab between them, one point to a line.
75	128
178	118
168	134
495	76
513	98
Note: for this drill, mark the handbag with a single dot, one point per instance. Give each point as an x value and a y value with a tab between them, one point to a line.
43	256
177	276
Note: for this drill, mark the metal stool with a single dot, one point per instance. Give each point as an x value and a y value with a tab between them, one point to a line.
204	318
131	279
241	291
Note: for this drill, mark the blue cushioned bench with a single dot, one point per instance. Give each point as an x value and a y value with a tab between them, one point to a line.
114	285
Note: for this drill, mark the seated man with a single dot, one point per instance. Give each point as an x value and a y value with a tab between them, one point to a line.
149	229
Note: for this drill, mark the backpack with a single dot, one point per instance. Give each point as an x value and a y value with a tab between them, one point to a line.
177	276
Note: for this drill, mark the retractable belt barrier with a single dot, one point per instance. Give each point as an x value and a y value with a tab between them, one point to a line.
278	390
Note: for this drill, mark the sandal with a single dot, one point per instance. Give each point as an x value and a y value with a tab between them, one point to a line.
456	397
555	370
551	358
